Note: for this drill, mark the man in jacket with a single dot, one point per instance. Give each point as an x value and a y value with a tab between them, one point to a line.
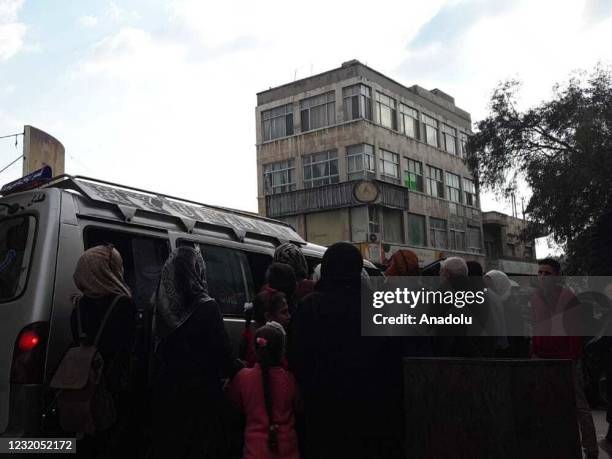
550	302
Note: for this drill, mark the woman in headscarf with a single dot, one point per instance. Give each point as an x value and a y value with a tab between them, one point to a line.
99	278
365	277
404	262
499	286
291	254
193	354
348	380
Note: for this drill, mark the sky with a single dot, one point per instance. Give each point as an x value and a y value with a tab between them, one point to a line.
161	95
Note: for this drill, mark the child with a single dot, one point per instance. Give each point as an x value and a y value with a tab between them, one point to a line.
270	305
267	395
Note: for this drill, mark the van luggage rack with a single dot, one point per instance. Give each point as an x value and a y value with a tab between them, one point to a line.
131	200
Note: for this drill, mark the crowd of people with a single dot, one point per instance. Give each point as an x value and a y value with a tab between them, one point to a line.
306	383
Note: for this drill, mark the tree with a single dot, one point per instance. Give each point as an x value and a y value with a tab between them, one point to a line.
562	148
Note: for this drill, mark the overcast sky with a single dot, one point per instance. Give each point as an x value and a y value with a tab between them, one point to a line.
161	94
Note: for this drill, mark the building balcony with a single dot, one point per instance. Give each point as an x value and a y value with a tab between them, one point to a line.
336	196
495	218
514	266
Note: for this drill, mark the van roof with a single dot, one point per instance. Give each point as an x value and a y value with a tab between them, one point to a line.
131	200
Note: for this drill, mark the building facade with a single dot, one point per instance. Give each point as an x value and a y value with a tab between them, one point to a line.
352	155
504	247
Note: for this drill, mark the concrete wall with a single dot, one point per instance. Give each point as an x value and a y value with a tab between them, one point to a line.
41	149
325	228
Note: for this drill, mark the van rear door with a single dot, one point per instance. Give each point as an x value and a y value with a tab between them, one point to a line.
28	249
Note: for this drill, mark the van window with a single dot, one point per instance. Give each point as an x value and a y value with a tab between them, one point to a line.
16	242
258	262
143	259
233	276
229	278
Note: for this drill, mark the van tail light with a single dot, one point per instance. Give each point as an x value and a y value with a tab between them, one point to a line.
29	354
28	340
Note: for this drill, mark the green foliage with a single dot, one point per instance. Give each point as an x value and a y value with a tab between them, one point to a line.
562	148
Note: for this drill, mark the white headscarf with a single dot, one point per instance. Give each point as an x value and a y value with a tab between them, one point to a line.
501	283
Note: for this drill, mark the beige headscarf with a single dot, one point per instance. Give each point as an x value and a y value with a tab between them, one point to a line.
99	273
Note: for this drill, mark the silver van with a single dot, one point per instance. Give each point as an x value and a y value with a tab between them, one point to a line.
44	231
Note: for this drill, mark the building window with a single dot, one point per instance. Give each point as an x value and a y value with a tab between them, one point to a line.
463	138
409	121
473	239
449	139
278	122
453	191
457	239
357	102
431	130
469	192
413	176
360	161
320	168
511	250
318	111
528	252
416	230
433	182
279	177
393	227
385	108
389	166
437	233
374	220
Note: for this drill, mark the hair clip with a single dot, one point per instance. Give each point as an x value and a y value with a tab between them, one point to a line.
261	341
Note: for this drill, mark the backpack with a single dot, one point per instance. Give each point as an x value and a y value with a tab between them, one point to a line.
84	403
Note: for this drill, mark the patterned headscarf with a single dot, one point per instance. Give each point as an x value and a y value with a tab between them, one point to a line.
182	286
404	262
290	254
99	273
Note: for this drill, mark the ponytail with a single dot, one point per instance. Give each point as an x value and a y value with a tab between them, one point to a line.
272	427
269	346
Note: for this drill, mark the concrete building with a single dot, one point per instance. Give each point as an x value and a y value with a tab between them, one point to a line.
353	155
504	248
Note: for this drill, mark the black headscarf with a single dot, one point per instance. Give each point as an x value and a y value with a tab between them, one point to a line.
281	276
341	267
181	288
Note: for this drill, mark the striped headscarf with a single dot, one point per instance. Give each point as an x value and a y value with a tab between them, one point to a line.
290	254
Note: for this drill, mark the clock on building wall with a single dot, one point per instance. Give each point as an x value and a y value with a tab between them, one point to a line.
365	191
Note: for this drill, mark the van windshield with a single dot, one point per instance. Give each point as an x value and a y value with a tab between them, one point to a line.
16	242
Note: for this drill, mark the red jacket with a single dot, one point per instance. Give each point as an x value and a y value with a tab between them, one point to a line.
246	392
548	314
250	357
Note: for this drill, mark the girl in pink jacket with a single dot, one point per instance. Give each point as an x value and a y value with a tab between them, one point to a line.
267	394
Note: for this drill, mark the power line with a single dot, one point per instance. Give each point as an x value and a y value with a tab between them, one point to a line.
11	135
13	162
